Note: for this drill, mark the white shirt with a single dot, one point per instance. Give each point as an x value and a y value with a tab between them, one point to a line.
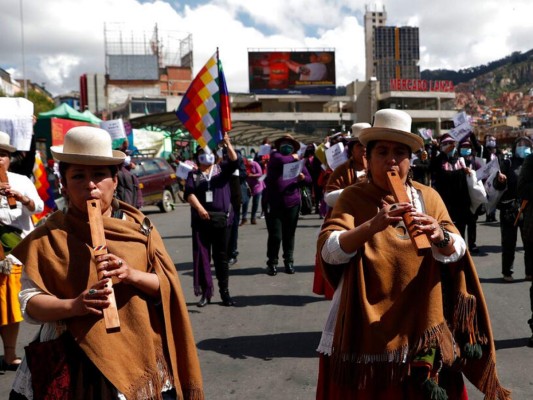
20	217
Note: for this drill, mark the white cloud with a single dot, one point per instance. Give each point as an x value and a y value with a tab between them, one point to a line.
64	39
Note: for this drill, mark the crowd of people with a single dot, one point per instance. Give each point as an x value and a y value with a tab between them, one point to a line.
406	321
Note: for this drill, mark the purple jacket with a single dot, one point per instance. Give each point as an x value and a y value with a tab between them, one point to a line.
280	193
256	186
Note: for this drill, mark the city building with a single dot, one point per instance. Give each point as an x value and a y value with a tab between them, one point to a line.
8	85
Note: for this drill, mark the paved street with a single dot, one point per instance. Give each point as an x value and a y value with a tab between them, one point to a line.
264	348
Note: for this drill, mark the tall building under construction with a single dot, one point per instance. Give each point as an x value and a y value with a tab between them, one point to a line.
391	52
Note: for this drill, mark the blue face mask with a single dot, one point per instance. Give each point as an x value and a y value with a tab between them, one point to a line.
465	151
286	149
491	143
522	151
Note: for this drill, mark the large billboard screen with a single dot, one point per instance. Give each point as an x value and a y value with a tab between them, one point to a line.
292	72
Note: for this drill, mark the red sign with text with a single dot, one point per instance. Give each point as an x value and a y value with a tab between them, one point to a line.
419	85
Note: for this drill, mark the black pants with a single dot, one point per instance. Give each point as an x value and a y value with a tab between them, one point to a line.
281	226
509	235
467	227
233	240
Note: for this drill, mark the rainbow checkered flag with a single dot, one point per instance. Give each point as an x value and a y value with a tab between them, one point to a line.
205	109
45	191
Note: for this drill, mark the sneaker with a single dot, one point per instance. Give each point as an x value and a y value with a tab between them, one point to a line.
232	260
508	278
474	249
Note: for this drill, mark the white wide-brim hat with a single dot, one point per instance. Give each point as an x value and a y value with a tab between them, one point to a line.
393	126
87	145
5	139
357	128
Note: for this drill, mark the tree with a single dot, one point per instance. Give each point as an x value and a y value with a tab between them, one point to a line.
41	102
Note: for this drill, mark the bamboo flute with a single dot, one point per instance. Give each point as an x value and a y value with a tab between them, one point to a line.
94	210
397	187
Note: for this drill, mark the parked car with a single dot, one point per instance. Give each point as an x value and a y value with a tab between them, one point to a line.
158	182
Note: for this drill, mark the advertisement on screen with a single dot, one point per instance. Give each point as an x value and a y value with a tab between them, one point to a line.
292	72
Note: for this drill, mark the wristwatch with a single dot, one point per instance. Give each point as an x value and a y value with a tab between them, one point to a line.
444	242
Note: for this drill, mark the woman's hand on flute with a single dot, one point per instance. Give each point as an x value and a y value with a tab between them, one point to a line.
92	300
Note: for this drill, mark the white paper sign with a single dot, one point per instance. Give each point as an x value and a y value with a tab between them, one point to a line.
292	170
485	171
115	127
336	155
460	132
264	150
460	118
426	133
493	195
480	161
16	119
302	149
183	170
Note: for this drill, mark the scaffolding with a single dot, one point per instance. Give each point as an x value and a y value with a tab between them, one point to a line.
171	48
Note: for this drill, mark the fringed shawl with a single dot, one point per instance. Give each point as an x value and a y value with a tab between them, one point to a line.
342	176
395	304
58	257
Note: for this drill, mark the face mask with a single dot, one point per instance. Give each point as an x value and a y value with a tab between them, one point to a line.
286	149
206	159
465	151
491	143
522	151
451	153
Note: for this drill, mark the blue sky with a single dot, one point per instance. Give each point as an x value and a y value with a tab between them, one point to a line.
64	39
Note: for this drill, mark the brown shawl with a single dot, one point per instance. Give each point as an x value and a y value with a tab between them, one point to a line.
344	175
395	303
58	257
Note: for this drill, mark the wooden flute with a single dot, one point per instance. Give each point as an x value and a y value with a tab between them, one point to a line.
112	322
4	179
397	187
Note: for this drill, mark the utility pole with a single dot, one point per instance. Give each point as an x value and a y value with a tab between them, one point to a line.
23	56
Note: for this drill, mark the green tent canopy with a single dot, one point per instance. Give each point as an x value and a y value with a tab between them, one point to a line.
67	112
93	118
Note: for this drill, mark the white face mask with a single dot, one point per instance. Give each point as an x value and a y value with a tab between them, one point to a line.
206	159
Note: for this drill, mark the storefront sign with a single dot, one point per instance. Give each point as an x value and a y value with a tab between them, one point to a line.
420	85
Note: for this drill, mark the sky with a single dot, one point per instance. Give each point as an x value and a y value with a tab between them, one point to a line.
54	42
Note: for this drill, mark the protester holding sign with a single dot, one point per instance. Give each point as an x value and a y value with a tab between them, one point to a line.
449	173
509	204
281	202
